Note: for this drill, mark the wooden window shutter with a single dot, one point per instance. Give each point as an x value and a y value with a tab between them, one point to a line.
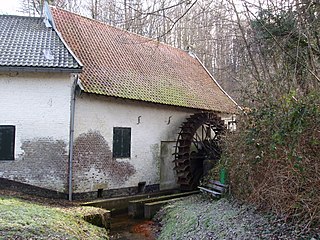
7	139
121	142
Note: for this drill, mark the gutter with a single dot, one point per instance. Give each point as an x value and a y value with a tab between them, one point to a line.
71	136
195	56
39	69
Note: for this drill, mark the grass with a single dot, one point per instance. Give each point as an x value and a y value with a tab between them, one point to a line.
21	219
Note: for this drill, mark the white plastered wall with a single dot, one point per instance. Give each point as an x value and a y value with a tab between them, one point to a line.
38	105
154	128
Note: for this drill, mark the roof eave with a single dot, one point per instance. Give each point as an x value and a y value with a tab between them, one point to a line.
163	104
39	69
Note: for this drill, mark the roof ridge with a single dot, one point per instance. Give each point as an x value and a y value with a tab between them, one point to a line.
149	39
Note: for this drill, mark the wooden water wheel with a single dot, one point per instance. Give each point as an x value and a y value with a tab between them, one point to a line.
198	140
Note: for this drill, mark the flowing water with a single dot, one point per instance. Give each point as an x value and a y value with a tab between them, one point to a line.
125	228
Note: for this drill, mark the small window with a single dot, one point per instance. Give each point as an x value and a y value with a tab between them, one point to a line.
7	138
121	142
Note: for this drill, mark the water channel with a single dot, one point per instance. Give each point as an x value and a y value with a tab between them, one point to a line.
125	228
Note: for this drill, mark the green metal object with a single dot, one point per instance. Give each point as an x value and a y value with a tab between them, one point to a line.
223	175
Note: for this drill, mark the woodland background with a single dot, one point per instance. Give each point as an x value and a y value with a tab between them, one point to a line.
265	54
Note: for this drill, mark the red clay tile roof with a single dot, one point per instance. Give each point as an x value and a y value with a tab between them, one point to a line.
122	64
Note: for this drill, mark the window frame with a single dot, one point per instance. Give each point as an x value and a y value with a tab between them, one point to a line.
8	130
121	147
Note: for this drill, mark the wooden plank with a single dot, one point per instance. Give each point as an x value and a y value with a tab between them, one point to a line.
216	187
210	191
218	183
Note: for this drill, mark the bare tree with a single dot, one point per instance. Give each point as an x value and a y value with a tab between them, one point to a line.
34	7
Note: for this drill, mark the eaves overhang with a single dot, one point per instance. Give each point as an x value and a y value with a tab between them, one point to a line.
39	69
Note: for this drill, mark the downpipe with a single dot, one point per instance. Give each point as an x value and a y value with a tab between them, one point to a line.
71	136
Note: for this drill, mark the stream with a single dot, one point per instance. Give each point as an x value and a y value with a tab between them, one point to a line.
125	228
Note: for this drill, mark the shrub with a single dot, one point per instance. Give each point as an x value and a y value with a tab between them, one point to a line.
273	158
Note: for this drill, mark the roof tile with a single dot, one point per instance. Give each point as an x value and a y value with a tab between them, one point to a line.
27	42
122	64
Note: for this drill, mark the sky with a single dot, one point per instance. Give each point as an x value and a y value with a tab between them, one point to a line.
13	7
10	7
